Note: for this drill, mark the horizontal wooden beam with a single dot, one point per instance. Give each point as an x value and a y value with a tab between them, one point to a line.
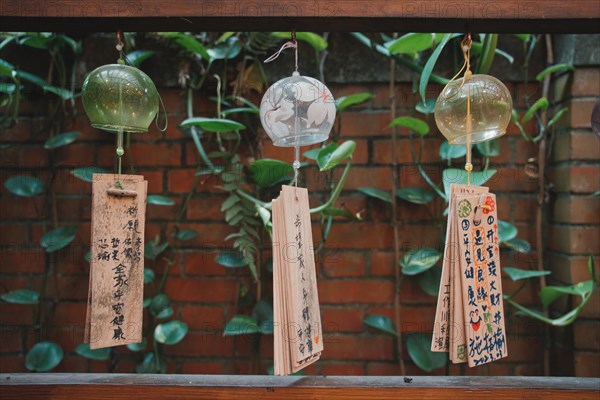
132	386
501	16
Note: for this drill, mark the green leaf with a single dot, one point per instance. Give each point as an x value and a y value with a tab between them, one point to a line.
21	296
43	357
523	36
428	69
414	124
477	47
410	43
449	151
415	195
348	101
138	346
171	332
225	36
97	355
61	140
138	56
36	80
541	104
517	274
517	244
324	154
263	315
266	173
186	234
419	260
506	231
454	175
150	365
225	50
557	116
58	238
85	173
264	214
549	294
23	185
146	303
159	303
231	259
239	110
166	313
489	148
488	51
213	124
38	41
339	212
317	42
377	193
149	276
154	248
426	107
7	69
429	281
591	268
381	323
329	157
312	153
241	325
552	69
87	256
188	42
160	200
419	350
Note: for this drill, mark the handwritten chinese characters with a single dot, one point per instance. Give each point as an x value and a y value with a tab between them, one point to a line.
297	322
470	317
115	296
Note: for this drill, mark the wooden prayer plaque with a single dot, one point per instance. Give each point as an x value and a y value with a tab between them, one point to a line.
469	322
298	337
115	297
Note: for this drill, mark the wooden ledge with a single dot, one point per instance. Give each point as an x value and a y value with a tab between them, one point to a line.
133	386
500	16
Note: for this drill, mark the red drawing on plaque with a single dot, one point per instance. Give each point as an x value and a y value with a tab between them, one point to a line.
475	320
490	203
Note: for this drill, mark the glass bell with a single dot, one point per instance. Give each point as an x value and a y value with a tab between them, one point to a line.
297	111
491	108
118	97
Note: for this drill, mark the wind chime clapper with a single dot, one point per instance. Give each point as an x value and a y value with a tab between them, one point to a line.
469	321
120	98
295	111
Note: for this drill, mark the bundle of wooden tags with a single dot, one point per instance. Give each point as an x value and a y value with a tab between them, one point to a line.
298	338
469	320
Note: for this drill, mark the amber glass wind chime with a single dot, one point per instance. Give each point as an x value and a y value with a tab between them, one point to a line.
295	111
469	320
117	98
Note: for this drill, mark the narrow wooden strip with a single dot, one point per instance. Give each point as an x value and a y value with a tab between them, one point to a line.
131	386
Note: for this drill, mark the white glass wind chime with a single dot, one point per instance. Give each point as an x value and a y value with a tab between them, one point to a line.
295	111
469	320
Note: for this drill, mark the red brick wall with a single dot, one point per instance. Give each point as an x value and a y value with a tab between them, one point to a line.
355	274
574	217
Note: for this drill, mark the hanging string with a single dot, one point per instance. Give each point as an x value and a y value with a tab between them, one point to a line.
120	151
466	48
291	44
